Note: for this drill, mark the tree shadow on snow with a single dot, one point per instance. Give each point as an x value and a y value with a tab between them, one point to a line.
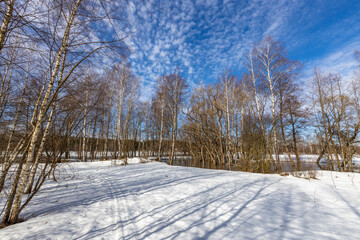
242	209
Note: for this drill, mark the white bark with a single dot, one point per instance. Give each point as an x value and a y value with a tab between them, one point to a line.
43	108
176	99
253	79
122	86
161	125
39	152
84	152
6	22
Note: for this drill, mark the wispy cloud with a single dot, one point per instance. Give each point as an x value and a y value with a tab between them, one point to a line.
203	37
339	61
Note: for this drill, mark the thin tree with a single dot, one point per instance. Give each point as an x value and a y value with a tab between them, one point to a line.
176	88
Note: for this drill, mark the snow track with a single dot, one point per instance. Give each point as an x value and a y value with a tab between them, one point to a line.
156	201
115	212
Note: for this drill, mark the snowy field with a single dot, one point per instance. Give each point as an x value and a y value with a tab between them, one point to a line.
98	200
313	157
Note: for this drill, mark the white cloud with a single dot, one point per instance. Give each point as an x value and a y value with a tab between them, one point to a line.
340	61
204	37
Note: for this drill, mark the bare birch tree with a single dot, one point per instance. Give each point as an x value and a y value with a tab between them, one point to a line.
273	66
175	90
68	44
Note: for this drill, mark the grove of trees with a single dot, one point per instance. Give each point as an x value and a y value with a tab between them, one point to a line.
60	101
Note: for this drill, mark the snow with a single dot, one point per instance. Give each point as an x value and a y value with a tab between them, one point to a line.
313	157
99	200
309	161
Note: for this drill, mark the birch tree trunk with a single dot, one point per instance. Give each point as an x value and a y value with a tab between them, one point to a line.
84	150
118	126
176	96
40	151
107	131
275	138
256	97
282	127
12	195
161	126
294	140
6	22
43	108
319	83
8	162
126	129
122	85
173	136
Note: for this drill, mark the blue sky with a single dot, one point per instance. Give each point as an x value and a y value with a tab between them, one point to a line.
203	37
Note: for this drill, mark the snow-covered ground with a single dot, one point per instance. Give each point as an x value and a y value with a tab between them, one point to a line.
313	157
99	200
